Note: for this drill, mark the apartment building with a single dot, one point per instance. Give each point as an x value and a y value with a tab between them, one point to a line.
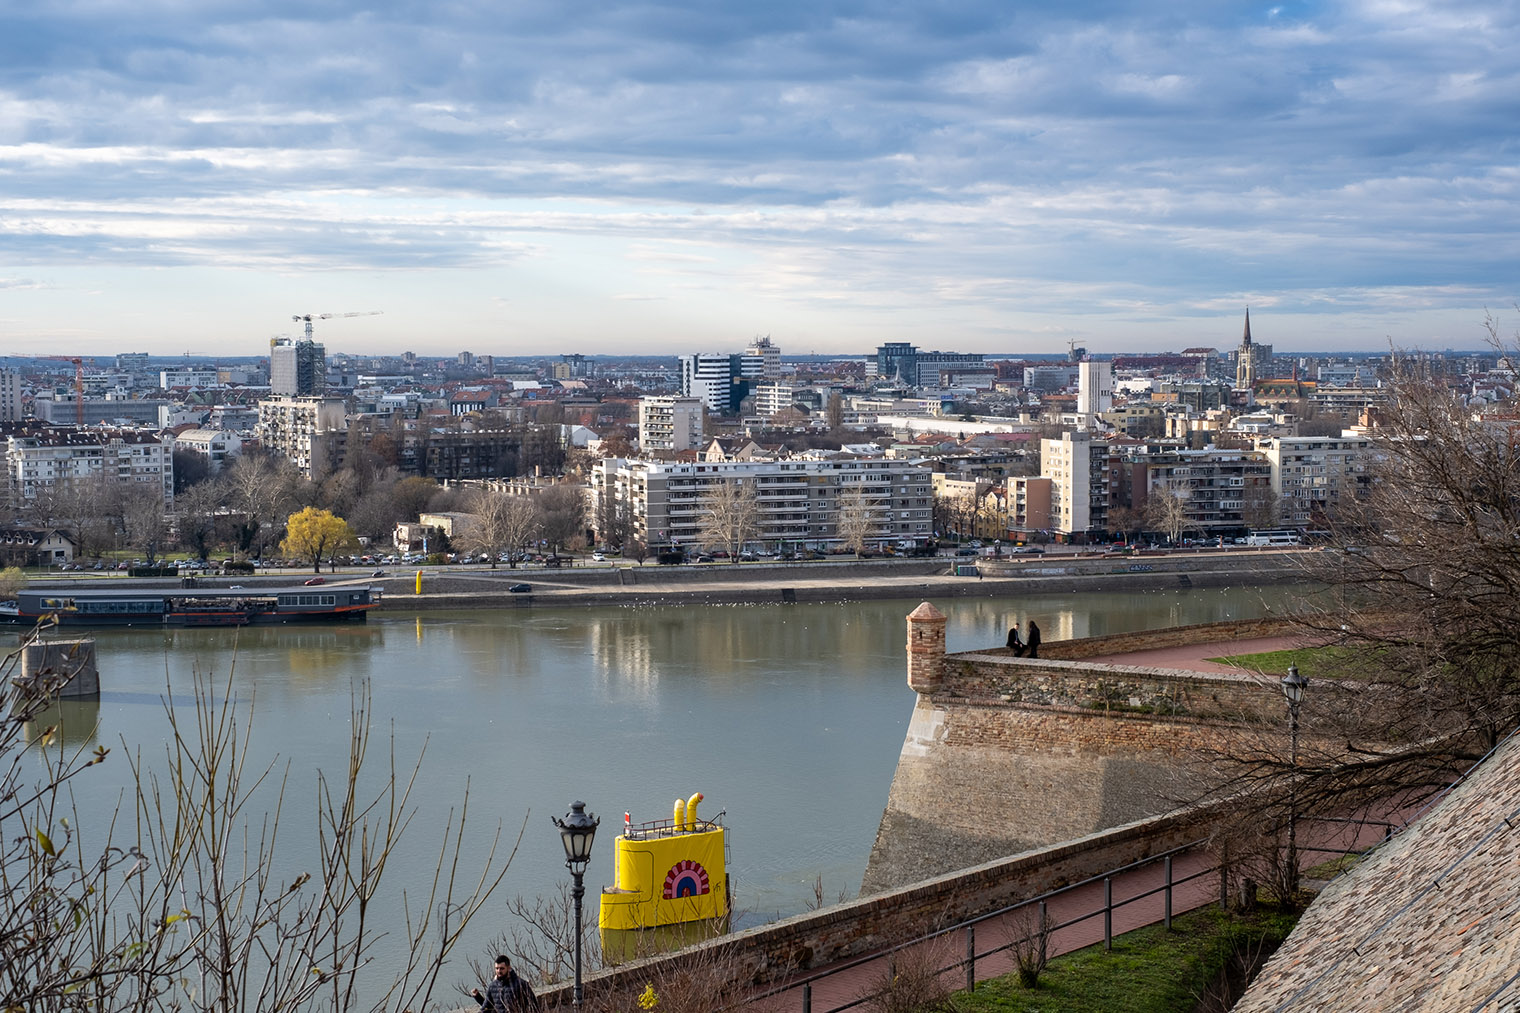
1221	490
310	431
217	446
1313	475
669	424
10	395
798	499
39	461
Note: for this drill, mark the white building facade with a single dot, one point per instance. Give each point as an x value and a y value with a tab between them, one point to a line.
798	500
38	462
669	424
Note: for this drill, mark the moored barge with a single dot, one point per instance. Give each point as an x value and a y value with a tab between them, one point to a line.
194	606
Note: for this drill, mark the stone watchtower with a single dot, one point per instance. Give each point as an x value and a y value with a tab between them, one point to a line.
926	649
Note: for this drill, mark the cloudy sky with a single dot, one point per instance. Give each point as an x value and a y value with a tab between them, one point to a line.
540	177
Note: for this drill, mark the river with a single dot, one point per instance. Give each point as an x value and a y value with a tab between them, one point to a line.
788	717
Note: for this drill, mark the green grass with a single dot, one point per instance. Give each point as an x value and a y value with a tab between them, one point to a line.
1149	971
1324	661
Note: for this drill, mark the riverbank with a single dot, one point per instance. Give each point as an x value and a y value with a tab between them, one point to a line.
842	580
838	582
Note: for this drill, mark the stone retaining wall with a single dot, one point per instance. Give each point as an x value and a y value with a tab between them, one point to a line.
789	948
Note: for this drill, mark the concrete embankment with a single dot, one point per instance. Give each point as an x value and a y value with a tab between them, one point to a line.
835	582
815	581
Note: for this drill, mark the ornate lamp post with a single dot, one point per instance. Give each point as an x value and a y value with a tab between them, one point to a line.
1293	686
577	830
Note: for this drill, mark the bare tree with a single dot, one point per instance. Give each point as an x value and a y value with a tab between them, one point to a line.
1422	572
1124	521
180	904
261	489
195	516
857	524
561	514
1166	510
730	516
1260	507
834	412
143	520
503	524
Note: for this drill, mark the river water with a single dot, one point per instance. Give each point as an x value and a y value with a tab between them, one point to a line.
788	717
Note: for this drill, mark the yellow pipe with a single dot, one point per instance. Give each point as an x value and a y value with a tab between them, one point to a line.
691	811
678	822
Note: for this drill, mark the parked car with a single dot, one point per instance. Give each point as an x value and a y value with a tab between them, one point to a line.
314	580
520	588
598	557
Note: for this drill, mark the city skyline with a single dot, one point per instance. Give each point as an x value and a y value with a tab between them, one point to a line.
670	179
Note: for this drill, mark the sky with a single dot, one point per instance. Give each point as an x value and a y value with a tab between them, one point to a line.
539	177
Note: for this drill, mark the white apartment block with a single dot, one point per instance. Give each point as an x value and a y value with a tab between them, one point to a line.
798	499
708	377
217	446
310	431
1095	388
1067	462
1312	475
37	462
670	424
777	397
192	378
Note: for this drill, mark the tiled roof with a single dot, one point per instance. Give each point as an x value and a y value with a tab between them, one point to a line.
1426	923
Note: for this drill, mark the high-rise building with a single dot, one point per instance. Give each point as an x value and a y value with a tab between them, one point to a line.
310	431
768	354
297	368
10	395
1095	388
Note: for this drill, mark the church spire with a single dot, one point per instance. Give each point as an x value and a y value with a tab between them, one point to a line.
1246	338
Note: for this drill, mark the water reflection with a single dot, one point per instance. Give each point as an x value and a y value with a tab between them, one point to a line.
74	722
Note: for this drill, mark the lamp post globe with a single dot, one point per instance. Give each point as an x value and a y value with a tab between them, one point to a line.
577	832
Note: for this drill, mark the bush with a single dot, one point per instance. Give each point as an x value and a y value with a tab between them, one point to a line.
12	579
237	566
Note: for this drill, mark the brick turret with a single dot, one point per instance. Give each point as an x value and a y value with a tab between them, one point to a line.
926	649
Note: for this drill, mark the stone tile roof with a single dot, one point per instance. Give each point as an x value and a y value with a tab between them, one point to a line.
1427	923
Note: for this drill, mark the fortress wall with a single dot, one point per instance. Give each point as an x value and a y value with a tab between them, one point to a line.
781	950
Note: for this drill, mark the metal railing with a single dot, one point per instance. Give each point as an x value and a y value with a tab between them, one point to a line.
1040	921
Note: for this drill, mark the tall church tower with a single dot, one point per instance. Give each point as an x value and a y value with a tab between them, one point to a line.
1245	359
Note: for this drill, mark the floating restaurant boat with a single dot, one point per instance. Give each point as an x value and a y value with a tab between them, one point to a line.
670	884
193	606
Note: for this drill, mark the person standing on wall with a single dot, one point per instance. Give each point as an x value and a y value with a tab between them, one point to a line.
1032	645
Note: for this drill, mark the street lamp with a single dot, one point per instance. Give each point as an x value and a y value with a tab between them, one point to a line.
1293	686
576	831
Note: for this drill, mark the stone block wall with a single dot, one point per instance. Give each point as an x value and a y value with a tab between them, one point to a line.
787	949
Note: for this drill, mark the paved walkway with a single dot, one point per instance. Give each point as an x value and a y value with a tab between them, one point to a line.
1194	657
853	983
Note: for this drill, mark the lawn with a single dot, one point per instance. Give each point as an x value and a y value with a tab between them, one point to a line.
1149	971
1326	661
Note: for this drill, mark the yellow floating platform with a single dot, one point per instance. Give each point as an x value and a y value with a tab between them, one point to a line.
668	872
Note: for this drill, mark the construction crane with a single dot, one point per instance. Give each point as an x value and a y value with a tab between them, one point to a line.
309	317
78	380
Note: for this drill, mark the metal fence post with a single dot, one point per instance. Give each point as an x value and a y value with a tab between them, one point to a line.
1224	878
1168	915
1108	913
971	958
807	997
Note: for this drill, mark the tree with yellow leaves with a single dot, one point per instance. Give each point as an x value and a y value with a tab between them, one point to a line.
313	534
